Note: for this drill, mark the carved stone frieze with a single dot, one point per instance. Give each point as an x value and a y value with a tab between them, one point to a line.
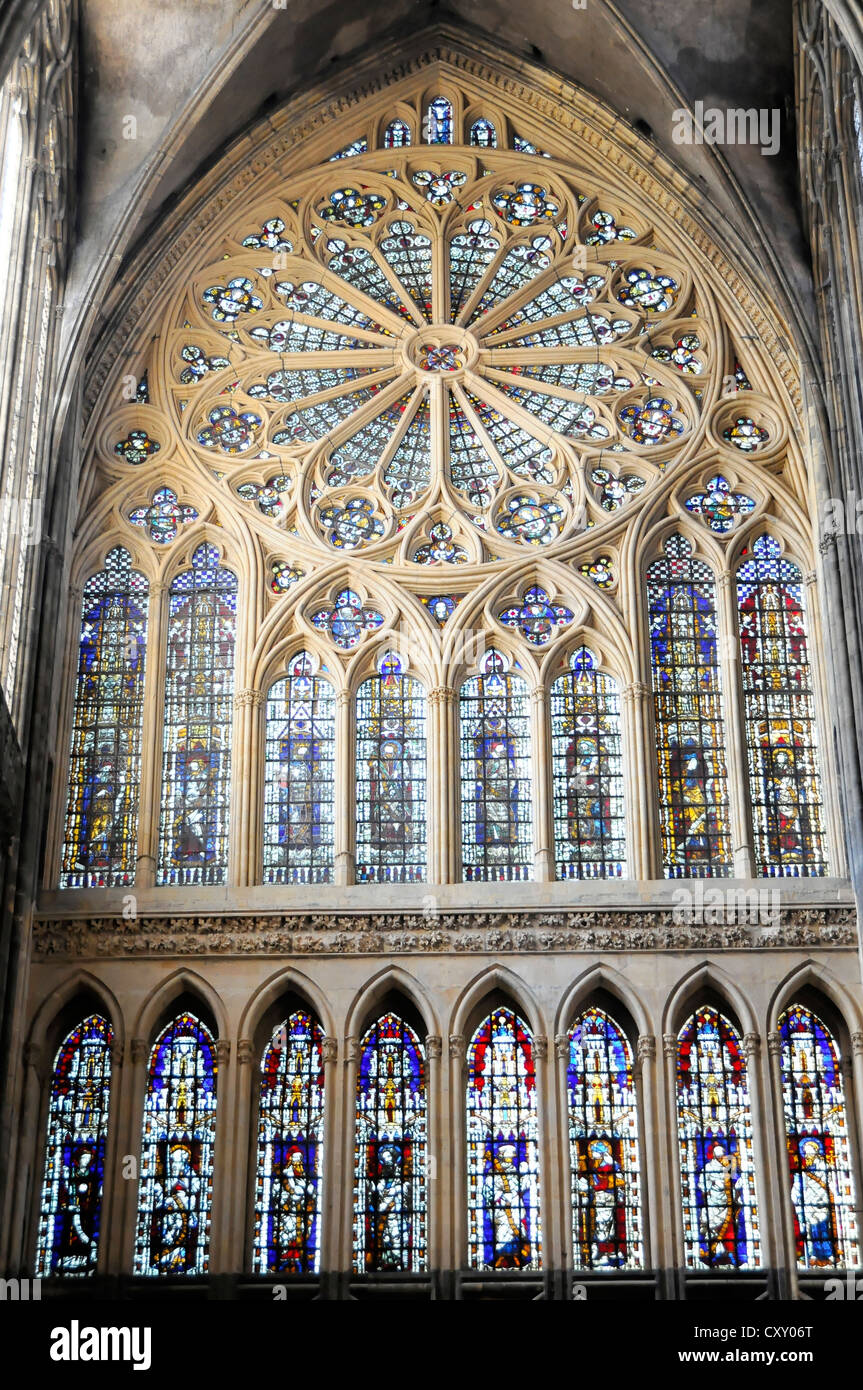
408	933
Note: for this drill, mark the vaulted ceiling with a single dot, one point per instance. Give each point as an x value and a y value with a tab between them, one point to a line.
194	76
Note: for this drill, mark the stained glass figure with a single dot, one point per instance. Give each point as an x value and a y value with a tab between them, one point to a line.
70	1211
101	832
600	571
603	229
391	776
683	355
299	796
652	293
536	617
496	817
612	492
199	689
270	238
587	772
346	619
174	1196
745	435
503	1187
136	448
232	431
524	204
603	1146
714	1127
268	497
437	124
816	1126
718	506
441	606
199	364
351	526
483	134
530	522
284	576
652	423
693	795
390	1162
163	517
231	300
289	1168
440	548
439	188
397	135
781	737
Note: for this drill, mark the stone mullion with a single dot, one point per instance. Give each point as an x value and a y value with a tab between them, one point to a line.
440	754
641	783
59	800
18	1239
435	1156
733	716
343	830
226	1161
331	1167
543	829
341	1189
852	1076
246	779
655	1218
152	736
558	1094
777	1173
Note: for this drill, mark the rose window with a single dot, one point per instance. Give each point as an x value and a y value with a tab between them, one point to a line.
438	361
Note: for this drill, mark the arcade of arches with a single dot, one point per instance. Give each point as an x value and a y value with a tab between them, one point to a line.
432	816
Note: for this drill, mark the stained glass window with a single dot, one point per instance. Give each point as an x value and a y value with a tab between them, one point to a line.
391	776
603	1146
437	125
397	135
781	742
816	1126
503	1191
101	837
199	690
483	133
70	1212
299	804
496	820
288	1186
714	1128
390	1156
173	1231
693	795
587	769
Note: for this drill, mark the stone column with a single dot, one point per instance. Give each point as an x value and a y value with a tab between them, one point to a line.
543	828
238	1246
673	1244
247	783
124	1211
442	758
735	729
786	1245
639	774
852	1076
331	1165
655	1194
20	1241
456	1169
228	1156
342	1186
436	1159
771	1238
345	856
149	804
551	1151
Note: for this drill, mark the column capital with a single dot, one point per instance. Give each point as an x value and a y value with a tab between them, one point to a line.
330	1049
223	1051
434	1045
456	1045
343	698
441	695
138	1050
774	1044
117	1054
352	1049
751	1044
810	578
857	1043
561	1047
32	1054
244	1051
669	1045
635	691
646	1047
249	696
540	1046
